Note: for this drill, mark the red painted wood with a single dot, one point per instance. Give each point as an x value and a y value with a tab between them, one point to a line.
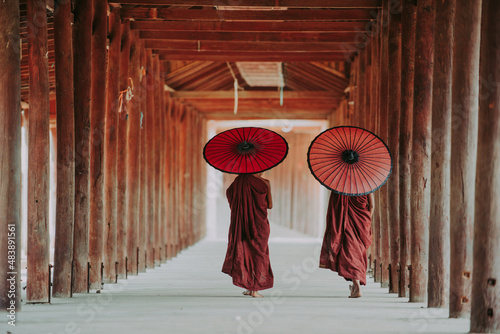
158	134
265	3
151	143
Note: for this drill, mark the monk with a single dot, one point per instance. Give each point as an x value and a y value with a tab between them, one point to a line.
247	257
347	237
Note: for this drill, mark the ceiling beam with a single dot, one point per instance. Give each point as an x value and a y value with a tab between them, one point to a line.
261	3
252	56
255	95
302	37
248	15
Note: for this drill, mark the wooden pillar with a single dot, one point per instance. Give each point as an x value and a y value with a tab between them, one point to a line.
485	315
394	104
121	158
170	161
421	151
383	132
408	24
143	220
166	175
157	125
97	114
439	229
133	154
361	117
39	151
65	201
163	211
10	164
110	146
151	142
463	152
82	50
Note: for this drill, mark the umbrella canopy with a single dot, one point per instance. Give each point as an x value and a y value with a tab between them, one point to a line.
349	160
245	150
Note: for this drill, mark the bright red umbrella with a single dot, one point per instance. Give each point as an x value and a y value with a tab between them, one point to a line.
245	150
349	160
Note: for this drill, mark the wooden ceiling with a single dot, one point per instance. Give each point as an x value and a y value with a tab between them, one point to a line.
200	42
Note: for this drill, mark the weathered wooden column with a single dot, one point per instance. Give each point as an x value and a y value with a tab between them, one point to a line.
82	59
38	153
394	104
133	154
143	220
121	158
421	149
463	151
383	133
485	315
97	114
151	142
163	211
439	229
110	147
10	160
170	148
166	173
408	24
158	129
65	201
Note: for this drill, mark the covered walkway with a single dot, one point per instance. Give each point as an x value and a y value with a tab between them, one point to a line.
189	294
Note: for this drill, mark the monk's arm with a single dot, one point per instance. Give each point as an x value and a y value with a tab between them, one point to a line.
371	203
269	197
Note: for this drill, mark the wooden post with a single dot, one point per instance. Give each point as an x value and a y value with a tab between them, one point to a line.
133	155
394	104
39	151
65	206
150	112
157	125
485	315
361	117
143	221
421	148
97	114
463	152
82	59
121	158
408	24
163	211
439	229
383	132
10	146
110	147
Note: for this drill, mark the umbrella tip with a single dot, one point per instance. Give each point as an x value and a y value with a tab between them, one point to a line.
244	146
350	156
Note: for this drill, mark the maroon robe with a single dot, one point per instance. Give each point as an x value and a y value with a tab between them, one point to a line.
347	236
247	257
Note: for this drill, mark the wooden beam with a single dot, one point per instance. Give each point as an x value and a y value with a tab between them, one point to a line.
10	166
255	95
143	219
261	3
110	146
233	56
296	37
82	60
151	142
239	26
157	157
65	197
465	99
485	314
439	229
38	163
247	15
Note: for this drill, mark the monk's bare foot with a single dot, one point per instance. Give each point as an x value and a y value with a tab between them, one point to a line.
355	290
247	292
256	294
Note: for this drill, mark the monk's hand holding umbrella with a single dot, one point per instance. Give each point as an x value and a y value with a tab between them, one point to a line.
352	163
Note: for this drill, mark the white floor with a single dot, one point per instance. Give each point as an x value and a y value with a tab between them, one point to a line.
189	294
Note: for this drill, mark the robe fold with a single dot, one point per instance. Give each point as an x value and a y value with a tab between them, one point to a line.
347	237
247	257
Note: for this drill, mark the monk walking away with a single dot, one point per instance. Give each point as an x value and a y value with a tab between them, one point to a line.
347	237
247	258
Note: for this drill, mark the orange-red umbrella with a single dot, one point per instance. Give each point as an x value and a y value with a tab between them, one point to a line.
349	160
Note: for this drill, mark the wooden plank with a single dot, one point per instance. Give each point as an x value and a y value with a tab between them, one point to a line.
10	148
485	304
110	147
233	56
421	151
258	95
296	37
247	15
65	197
239	26
439	229
261	3
97	114
465	99
408	20
38	162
